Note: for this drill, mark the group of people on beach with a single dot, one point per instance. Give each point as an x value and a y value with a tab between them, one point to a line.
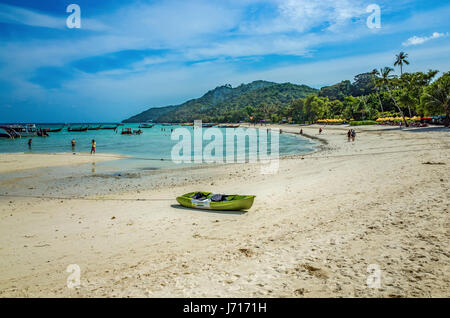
351	134
73	143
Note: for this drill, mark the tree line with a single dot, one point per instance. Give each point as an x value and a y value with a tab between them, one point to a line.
375	94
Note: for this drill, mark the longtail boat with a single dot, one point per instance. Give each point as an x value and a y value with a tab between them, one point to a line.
228	126
77	129
95	128
146	125
52	130
110	127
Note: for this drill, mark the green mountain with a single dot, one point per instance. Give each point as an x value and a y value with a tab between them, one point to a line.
225	103
149	115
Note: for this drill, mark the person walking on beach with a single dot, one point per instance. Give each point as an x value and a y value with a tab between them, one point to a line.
349	134
301	131
73	142
29	143
93	146
353	134
320	131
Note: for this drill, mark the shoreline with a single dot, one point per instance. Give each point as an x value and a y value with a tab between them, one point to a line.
315	227
68	160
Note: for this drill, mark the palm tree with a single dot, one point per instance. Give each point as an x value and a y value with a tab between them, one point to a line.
401	59
439	98
267	109
385	78
376	74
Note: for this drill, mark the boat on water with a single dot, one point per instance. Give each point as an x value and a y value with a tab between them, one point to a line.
187	124
95	128
210	201
28	130
52	130
110	127
79	129
128	131
146	125
6	132
228	126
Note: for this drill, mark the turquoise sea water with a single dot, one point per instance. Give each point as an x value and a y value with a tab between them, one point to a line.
153	144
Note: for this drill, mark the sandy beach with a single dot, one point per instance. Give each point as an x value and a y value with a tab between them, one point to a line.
313	231
11	162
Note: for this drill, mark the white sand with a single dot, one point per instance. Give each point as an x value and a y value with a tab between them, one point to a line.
313	231
22	161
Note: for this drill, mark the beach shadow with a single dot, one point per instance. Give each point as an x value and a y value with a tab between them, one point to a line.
411	129
425	129
180	207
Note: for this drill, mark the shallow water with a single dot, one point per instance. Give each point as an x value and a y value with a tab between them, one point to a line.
148	151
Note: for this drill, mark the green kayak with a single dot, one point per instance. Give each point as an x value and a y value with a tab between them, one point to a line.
210	201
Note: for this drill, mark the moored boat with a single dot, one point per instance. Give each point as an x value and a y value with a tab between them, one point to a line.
52	130
146	125
6	132
110	127
29	130
126	131
95	128
79	129
228	126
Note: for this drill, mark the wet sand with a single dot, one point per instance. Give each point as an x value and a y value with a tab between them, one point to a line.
22	161
315	227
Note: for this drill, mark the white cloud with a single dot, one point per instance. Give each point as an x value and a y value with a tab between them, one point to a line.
417	40
302	15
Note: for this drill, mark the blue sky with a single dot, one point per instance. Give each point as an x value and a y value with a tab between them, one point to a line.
131	55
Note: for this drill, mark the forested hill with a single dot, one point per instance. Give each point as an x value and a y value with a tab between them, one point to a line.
227	104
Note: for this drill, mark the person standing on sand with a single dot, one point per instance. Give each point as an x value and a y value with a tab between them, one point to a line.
93	146
29	143
349	134
301	131
320	130
353	134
